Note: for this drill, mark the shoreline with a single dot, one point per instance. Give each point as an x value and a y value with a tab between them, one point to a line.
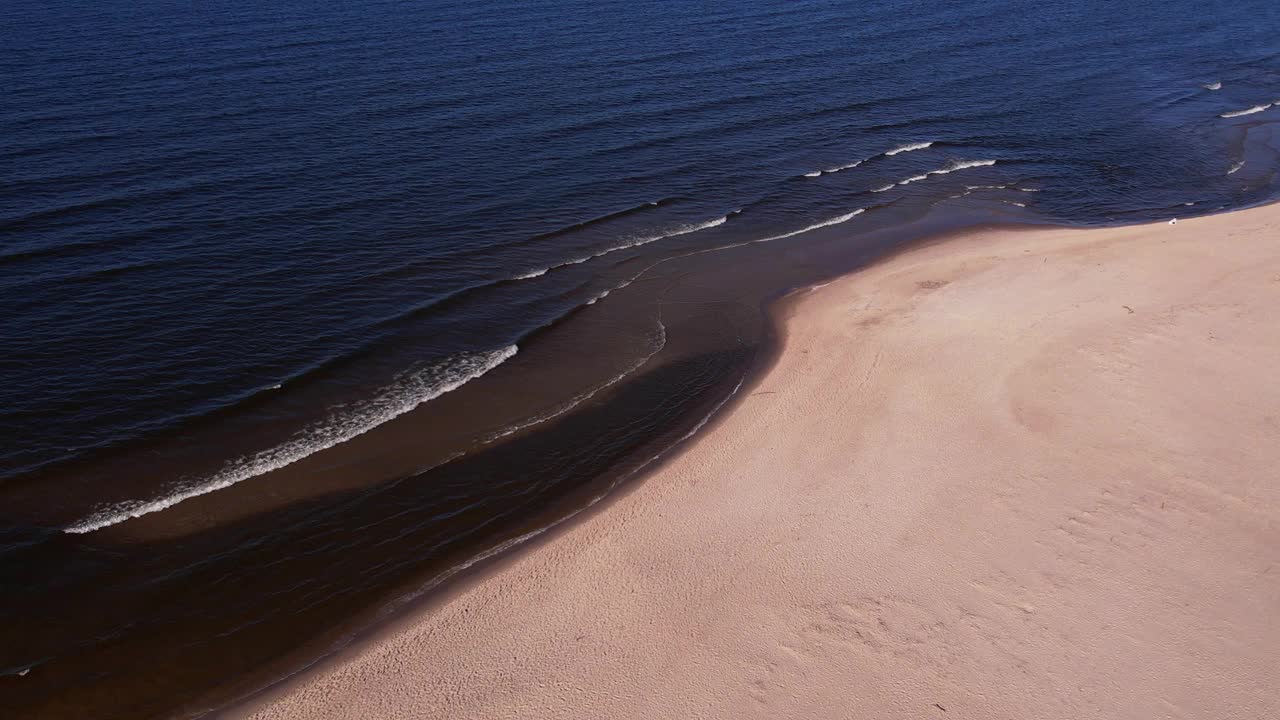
402	611
232	666
498	571
315	339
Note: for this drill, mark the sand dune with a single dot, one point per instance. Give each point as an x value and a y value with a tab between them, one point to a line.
1017	474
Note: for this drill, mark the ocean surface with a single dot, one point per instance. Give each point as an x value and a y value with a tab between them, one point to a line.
306	306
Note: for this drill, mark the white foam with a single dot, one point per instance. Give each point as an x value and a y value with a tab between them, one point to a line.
605	294
1235	168
970	189
819	286
409	391
659	344
833	221
909	148
841	168
962	165
1212	86
843	218
953	166
886	188
1250	111
825	223
631	243
683	230
833	169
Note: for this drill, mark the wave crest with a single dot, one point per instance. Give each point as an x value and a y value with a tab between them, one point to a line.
951	167
632	243
1248	111
909	148
408	392
825	223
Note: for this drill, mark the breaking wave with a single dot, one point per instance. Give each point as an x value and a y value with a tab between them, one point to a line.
834	169
909	148
631	243
900	149
841	168
1249	111
825	223
409	391
951	167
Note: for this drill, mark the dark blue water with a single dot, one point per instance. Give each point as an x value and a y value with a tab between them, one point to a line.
239	239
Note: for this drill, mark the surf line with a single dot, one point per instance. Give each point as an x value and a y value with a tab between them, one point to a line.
888	153
634	243
388	405
411	391
1248	111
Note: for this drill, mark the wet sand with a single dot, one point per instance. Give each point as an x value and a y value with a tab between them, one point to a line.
1012	474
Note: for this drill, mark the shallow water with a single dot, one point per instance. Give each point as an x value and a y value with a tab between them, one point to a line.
303	305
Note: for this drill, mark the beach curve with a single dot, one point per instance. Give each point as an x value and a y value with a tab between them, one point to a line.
1014	473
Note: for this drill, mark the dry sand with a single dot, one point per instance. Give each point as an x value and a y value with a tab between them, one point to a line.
1018	474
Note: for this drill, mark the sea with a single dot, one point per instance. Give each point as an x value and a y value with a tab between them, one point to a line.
310	310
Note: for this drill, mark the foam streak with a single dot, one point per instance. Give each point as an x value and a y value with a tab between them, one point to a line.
953	167
632	243
1250	111
909	148
410	391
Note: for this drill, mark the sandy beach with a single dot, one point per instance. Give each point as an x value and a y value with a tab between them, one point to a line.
1013	474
